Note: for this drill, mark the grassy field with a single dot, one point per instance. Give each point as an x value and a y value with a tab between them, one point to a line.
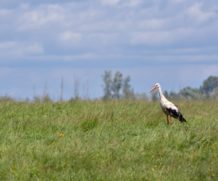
115	140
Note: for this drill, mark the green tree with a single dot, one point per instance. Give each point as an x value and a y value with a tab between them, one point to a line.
214	94
107	79
128	92
117	85
209	85
190	93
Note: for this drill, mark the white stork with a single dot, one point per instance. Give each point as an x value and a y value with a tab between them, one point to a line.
168	107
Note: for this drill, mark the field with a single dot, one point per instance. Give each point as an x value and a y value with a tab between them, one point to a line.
112	140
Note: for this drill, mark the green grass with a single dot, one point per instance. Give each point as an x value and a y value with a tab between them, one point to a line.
115	140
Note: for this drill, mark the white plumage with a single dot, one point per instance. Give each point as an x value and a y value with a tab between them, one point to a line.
168	107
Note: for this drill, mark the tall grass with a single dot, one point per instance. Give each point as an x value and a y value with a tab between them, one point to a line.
114	140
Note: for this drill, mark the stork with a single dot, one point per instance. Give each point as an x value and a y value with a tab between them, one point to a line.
168	107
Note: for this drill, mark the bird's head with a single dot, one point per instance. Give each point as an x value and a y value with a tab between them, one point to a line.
155	88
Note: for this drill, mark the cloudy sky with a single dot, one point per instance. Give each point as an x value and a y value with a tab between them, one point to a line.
174	42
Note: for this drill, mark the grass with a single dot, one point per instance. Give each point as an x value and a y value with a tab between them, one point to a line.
115	140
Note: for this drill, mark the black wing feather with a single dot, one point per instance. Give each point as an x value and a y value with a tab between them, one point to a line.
174	113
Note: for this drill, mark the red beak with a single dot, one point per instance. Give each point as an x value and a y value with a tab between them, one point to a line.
153	88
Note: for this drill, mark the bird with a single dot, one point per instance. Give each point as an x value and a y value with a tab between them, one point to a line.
170	109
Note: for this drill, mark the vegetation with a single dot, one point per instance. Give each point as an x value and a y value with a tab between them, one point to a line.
107	140
208	90
117	87
121	137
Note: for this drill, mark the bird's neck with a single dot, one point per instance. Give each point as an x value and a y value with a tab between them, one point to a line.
162	97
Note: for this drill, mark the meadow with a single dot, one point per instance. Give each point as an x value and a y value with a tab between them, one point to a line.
107	140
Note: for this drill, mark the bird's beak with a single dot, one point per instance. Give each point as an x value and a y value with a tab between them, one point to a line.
153	88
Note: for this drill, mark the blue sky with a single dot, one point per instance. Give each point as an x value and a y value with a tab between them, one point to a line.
174	42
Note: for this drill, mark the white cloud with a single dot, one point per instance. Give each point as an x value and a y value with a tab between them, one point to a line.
12	49
198	14
151	24
43	16
151	38
121	3
71	24
110	2
70	37
133	3
176	1
4	13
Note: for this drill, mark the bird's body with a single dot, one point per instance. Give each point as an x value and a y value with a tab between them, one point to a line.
170	109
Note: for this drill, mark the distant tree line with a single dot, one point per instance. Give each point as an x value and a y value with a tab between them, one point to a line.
208	90
116	86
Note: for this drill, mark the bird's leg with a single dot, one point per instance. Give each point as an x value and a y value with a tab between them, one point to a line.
168	119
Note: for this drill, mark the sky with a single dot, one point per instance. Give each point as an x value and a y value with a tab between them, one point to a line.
46	42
